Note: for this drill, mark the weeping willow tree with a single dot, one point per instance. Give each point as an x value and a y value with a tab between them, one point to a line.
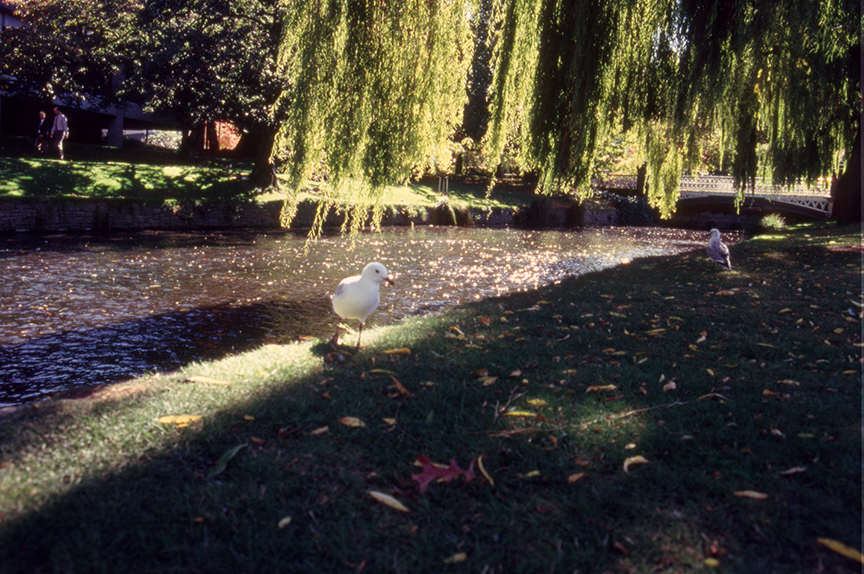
378	87
778	79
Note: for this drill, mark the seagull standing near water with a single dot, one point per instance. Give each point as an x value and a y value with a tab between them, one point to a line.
356	297
717	251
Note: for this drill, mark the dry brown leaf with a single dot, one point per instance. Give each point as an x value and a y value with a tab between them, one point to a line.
483	470
725	292
456	558
488	380
638	459
595	388
751	494
401	388
388	500
536	402
842	549
320	430
179	420
399	351
352	422
284	522
575	477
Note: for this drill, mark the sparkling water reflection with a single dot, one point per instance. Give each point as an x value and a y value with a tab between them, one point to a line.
89	310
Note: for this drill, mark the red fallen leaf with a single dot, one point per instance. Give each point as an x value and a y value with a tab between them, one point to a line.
432	472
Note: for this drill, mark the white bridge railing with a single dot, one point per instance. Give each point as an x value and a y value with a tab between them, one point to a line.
812	198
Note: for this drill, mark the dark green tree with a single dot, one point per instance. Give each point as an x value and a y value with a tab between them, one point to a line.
207	60
70	50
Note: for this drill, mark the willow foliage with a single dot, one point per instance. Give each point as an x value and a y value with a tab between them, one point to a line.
779	79
377	89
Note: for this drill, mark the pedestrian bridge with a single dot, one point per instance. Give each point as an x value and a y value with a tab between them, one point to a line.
720	190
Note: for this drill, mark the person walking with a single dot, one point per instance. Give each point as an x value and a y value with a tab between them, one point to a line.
43	129
59	131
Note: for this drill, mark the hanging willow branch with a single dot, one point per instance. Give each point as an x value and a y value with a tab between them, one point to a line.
778	79
379	88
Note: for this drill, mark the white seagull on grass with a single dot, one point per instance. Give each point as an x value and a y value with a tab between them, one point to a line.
717	251
357	297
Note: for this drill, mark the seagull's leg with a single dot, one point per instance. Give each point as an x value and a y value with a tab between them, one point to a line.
360	332
335	340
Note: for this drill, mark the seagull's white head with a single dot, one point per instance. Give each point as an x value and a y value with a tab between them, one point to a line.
715	233
377	273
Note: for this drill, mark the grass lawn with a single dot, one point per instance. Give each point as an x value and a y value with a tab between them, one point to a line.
146	175
656	417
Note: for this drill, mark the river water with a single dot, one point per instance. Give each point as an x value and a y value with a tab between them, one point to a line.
89	310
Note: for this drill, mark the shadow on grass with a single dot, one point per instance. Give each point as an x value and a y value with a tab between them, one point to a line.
556	388
41	179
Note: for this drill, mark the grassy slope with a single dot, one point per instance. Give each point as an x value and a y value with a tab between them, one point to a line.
145	175
766	363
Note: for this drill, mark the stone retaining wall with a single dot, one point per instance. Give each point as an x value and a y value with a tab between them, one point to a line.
59	216
88	215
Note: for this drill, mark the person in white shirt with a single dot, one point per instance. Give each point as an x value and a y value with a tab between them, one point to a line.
59	131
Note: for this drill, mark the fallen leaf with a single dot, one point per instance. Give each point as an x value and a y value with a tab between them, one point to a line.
520	414
670	386
284	522
638	459
575	477
352	422
456	558
712	562
389	421
536	402
399	351
401	387
320	430
710	372
595	388
388	500
751	494
630	446
483	470
256	440
179	420
516	373
248	418
794	470
433	472
487	380
223	461
725	292
842	549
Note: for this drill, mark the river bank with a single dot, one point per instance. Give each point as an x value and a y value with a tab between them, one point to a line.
656	416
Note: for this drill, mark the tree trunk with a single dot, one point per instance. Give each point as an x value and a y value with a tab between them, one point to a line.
264	170
846	191
212	137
